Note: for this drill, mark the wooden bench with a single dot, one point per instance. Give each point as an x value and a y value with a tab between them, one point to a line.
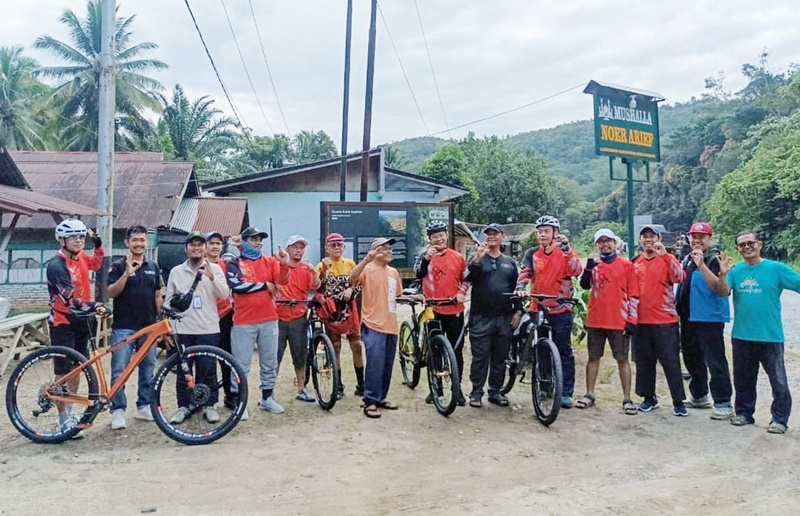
27	331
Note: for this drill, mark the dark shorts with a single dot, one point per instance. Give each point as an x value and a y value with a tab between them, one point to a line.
75	336
296	333
620	344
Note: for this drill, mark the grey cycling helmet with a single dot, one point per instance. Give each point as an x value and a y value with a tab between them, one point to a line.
435	227
548	220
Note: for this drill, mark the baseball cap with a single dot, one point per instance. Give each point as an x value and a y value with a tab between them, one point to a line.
494	226
294	239
700	228
381	241
212	234
600	233
253	231
195	235
334	237
652	227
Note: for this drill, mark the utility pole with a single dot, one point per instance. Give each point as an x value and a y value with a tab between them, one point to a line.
368	102
105	141
346	101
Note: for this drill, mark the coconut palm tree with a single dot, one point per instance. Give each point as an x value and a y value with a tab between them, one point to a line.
77	96
20	92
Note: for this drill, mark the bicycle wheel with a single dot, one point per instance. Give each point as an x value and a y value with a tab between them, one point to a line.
409	353
443	380
512	364
547	384
30	407
187	388
324	371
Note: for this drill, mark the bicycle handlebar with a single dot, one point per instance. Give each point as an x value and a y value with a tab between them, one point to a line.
428	301
541	297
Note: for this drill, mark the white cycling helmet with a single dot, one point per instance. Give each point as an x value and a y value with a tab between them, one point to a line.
70	227
548	220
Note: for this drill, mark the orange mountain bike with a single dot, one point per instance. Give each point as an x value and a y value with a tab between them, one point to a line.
37	400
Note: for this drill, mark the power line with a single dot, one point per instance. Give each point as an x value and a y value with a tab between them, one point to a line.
430	62
391	40
219	77
269	71
511	110
246	71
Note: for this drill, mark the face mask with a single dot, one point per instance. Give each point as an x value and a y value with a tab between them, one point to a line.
608	258
250	252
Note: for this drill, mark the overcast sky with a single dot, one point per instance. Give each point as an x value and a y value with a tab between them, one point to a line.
488	57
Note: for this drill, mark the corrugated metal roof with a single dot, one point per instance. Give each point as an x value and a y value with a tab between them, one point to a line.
147	190
26	202
186	214
228	215
9	173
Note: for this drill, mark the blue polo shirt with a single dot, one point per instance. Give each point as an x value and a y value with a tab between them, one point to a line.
757	299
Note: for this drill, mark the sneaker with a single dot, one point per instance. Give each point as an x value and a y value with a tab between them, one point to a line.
648	404
270	405
460	399
429	399
144	413
245	415
722	413
180	416
741	420
118	419
231	402
773	428
566	402
304	396
211	414
680	411
71	421
700	403
359	390
498	399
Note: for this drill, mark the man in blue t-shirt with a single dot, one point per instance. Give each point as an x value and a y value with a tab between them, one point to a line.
757	330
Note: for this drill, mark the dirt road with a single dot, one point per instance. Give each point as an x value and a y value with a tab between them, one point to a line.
479	461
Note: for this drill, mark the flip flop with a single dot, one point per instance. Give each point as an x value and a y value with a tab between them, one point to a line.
371	411
629	408
588	400
388	405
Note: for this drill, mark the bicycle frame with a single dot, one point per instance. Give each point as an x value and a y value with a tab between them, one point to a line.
155	331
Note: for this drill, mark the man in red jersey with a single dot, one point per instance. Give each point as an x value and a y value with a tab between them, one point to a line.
612	314
657	338
70	289
292	322
253	278
549	269
443	272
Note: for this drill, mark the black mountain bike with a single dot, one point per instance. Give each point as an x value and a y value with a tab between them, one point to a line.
422	343
535	359
321	366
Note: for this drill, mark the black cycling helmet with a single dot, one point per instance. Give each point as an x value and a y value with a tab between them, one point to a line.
435	227
548	220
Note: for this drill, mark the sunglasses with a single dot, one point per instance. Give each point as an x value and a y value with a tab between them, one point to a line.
749	244
76	237
336	245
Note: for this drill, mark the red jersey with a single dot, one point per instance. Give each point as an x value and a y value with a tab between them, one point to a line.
70	285
550	274
248	279
300	282
446	277
224	305
657	278
615	295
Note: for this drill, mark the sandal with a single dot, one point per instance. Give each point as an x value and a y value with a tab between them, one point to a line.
371	411
588	400
388	405
776	428
629	408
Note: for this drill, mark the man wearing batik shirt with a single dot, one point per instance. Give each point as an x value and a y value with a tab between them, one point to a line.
612	314
549	269
657	338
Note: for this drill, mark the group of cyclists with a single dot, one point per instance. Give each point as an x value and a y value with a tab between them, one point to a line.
654	304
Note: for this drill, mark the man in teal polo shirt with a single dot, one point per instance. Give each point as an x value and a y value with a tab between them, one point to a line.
757	285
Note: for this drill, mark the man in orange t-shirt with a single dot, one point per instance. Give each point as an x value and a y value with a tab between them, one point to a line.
657	338
612	314
292	322
443	272
380	287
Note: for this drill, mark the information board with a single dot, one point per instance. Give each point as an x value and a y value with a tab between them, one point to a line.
360	223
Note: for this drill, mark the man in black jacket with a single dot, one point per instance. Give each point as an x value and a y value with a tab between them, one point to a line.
493	316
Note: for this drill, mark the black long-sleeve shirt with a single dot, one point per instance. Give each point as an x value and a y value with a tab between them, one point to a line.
491	279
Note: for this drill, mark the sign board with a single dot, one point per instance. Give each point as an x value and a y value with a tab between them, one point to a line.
625	122
360	223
